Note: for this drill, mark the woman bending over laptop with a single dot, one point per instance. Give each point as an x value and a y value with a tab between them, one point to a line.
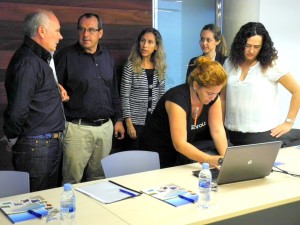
251	98
185	110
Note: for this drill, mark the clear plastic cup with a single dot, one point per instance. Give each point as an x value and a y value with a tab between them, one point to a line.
53	217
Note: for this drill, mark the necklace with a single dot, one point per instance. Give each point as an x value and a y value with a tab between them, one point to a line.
196	115
195	98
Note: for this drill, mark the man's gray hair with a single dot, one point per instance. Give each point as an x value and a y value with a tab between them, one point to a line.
34	20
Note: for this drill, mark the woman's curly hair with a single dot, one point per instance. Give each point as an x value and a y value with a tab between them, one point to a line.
267	52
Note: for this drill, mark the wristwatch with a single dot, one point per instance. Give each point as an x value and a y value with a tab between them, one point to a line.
220	161
288	120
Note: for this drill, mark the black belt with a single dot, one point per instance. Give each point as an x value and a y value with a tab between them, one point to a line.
86	122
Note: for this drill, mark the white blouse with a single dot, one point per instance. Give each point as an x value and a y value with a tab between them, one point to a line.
252	105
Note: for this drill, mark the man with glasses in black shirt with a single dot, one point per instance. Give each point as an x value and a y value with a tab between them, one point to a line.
87	72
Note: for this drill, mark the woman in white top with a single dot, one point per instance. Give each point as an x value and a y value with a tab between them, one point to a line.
250	100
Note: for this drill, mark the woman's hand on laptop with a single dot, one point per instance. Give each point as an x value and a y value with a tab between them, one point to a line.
215	161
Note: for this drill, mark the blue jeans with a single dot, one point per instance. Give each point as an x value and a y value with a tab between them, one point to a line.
41	158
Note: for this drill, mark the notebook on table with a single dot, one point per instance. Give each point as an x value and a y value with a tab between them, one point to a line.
246	162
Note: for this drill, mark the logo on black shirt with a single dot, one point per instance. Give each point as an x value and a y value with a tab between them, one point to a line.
198	126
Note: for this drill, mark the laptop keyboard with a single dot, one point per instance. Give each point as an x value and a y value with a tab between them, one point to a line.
214	173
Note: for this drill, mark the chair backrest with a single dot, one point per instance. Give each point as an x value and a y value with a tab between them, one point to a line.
128	162
13	183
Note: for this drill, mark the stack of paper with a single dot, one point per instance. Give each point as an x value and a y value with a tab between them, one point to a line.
108	191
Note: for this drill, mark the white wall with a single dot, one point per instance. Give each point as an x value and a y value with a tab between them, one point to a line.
235	14
280	19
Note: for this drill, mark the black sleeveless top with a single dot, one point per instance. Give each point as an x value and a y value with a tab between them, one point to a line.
156	135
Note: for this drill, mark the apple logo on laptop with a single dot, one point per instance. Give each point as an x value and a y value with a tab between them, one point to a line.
250	162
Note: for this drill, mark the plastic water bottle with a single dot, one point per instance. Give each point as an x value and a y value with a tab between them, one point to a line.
204	186
68	205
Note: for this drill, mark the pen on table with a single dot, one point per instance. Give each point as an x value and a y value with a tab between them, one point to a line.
186	198
36	214
128	192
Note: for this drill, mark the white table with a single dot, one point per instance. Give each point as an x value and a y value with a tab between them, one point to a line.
231	201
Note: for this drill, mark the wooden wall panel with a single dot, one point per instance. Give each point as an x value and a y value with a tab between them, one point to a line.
122	21
143	5
70	14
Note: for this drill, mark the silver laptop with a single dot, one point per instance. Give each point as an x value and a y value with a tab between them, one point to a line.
246	162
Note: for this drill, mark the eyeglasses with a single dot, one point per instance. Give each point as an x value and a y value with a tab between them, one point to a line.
91	30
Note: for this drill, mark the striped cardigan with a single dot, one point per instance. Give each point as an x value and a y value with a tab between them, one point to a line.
134	94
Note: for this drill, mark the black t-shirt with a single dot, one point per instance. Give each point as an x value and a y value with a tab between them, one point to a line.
156	135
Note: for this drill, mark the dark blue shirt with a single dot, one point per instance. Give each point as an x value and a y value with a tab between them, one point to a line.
90	81
34	103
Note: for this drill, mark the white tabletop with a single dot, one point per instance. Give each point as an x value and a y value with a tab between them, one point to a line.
231	200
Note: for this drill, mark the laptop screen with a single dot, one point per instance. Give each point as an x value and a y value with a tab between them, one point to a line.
247	162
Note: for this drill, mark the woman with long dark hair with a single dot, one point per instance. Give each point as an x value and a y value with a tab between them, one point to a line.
251	99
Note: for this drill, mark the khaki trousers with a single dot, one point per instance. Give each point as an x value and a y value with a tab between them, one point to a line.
83	148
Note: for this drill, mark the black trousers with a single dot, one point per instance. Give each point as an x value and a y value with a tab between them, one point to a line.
239	138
